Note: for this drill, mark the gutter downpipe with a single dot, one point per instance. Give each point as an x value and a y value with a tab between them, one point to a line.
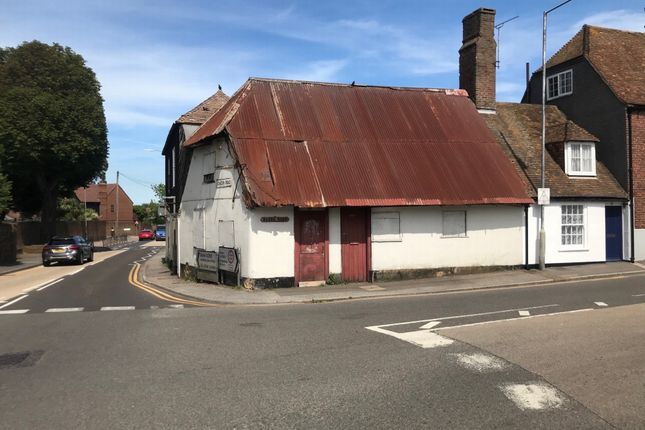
632	216
526	236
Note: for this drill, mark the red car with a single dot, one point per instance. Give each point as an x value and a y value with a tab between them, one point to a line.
146	235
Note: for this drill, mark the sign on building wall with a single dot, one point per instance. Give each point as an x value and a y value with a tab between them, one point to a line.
227	258
207	265
207	260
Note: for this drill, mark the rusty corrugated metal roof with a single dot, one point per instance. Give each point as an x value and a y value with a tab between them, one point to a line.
313	145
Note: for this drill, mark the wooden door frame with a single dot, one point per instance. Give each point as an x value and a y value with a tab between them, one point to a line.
297	221
368	240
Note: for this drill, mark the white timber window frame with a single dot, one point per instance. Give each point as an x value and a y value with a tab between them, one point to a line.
454	224
573	227
559	84
580	158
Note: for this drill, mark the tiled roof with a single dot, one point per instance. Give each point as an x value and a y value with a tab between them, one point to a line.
618	56
312	144
518	128
92	192
200	113
566	132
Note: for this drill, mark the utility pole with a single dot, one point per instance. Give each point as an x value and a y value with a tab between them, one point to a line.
116	228
542	191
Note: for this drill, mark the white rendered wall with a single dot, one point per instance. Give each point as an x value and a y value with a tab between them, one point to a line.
335	261
203	205
271	244
639	244
593	249
495	237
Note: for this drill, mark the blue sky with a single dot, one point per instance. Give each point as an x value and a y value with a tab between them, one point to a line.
157	59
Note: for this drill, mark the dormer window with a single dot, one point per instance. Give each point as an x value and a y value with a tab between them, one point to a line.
580	158
560	84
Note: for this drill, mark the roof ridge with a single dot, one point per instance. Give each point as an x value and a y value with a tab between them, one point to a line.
448	91
620	30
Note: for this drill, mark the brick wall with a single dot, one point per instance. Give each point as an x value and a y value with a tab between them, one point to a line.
477	57
638	166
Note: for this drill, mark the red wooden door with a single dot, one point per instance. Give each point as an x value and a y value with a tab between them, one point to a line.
311	245
354	246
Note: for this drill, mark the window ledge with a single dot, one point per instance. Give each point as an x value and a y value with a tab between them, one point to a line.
583	249
582	175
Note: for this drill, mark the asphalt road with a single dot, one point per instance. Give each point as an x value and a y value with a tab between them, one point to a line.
298	366
90	287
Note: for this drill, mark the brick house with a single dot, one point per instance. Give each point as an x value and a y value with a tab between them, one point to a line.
588	211
597	80
102	198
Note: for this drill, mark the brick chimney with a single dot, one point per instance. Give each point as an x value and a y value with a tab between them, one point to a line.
477	57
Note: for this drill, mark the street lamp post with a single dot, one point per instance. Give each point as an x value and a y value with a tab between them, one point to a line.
542	261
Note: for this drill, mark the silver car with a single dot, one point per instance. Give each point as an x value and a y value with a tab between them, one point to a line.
68	249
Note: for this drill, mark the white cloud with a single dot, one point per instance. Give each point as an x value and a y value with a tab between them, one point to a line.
621	19
320	71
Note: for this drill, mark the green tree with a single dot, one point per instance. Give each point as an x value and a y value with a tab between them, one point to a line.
160	192
52	125
147	214
70	209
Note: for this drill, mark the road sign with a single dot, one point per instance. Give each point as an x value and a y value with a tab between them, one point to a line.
544	196
227	259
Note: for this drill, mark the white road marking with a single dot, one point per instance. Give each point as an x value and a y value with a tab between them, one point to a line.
154	308
176	306
13	301
117	308
524	313
601	304
422	338
14	311
49	285
638	295
516	319
430	325
76	271
64	310
533	396
480	362
466	316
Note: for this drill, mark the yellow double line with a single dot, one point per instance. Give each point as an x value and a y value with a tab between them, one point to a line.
133	278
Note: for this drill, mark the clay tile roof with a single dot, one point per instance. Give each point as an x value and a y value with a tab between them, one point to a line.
312	144
518	129
568	131
618	56
200	113
92	192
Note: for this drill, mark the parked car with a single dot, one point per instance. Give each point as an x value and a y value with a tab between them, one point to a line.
68	249
160	232
146	234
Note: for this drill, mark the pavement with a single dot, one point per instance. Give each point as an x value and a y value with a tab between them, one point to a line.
155	273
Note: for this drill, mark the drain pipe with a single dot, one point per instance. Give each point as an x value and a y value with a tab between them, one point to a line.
526	236
632	216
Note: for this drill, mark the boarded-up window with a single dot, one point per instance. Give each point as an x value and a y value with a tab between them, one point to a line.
386	227
226	233
454	224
